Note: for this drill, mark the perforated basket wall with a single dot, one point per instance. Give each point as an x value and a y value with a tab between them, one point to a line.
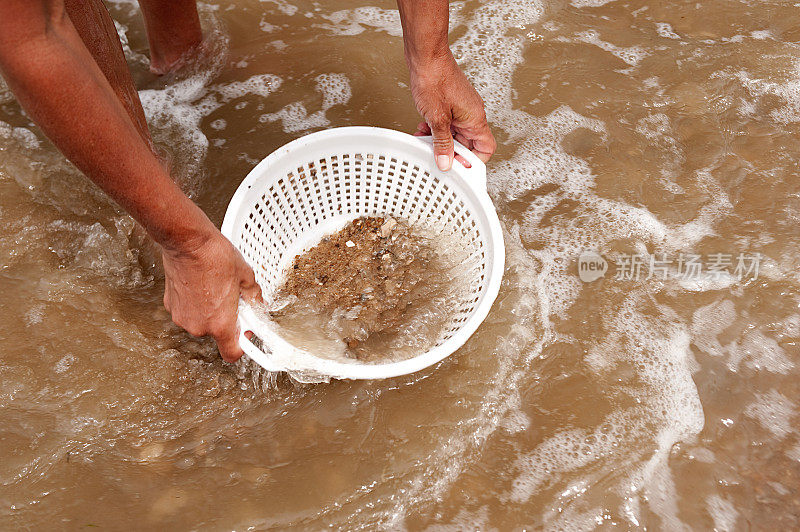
297	196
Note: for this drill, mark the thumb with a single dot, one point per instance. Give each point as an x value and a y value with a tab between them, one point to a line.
248	287
228	344
442	143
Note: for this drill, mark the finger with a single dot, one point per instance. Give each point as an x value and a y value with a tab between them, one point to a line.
252	294
423	129
228	344
464	140
190	327
250	290
483	143
467	143
442	142
483	156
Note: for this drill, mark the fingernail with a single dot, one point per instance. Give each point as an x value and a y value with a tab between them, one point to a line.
443	162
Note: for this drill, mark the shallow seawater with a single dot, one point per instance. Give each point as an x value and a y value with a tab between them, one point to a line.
636	129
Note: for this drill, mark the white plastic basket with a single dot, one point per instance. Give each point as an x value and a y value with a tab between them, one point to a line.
314	185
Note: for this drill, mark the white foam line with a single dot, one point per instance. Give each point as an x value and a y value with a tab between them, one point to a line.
773	411
490	56
335	90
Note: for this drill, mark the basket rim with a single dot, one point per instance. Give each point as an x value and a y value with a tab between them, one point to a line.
474	178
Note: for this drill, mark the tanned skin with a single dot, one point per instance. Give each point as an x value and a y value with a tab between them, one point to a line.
64	62
173	31
448	103
56	79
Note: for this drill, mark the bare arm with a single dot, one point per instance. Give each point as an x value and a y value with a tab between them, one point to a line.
425	26
58	83
56	80
444	96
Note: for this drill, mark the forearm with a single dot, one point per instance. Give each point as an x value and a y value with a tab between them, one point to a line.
62	89
425	26
449	105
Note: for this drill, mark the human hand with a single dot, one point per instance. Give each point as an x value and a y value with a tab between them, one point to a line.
202	289
451	108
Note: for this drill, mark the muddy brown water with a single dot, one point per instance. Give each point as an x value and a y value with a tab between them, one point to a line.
625	127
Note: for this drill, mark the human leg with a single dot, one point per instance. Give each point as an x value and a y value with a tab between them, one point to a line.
97	30
173	31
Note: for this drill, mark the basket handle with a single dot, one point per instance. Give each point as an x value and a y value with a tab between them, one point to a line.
244	320
477	173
